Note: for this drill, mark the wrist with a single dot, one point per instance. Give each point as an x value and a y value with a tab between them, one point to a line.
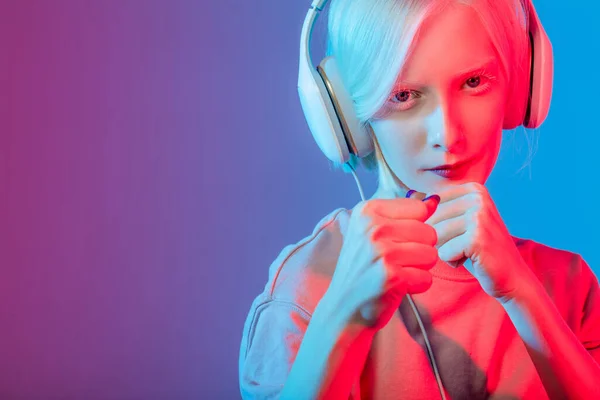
330	358
337	318
525	285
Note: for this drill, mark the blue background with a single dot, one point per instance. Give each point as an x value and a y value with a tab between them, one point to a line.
154	160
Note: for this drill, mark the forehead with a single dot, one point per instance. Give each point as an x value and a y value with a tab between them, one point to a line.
449	42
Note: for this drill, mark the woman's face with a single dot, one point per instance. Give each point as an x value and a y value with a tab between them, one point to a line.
447	106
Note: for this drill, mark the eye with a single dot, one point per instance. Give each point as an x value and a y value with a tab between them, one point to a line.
404	96
473	82
479	83
403	99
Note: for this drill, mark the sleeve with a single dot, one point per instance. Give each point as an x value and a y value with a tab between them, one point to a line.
272	335
589	333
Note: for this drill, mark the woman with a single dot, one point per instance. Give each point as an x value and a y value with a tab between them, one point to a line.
435	81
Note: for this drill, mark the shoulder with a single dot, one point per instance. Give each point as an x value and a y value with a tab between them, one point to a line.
565	275
279	316
548	261
302	272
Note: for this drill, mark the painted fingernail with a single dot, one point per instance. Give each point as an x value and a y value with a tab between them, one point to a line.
435	197
410	192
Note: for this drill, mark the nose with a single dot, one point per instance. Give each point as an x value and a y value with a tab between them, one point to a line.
444	130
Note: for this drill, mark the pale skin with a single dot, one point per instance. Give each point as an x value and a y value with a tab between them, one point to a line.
391	241
438	117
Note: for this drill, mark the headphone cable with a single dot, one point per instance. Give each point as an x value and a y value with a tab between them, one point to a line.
412	304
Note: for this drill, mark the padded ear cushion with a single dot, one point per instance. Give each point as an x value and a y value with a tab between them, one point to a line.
528	103
517	100
357	134
320	114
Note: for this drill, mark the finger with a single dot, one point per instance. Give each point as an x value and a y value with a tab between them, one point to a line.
453	252
431	202
410	254
412	280
413	194
389	232
449	229
456	191
397	209
445	211
453	208
415	280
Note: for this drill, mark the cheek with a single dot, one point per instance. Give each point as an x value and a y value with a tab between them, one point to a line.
483	118
398	140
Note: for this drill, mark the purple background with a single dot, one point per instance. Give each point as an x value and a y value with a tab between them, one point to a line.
154	160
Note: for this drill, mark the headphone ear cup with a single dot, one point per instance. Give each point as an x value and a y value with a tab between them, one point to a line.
542	75
517	100
320	114
357	134
536	90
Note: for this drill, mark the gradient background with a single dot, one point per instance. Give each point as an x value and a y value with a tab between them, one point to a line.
154	160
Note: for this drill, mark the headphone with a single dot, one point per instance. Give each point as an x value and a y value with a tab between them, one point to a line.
329	110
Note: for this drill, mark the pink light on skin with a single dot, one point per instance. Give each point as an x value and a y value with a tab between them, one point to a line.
447	105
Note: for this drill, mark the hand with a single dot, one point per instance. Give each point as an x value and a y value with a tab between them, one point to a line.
387	252
469	226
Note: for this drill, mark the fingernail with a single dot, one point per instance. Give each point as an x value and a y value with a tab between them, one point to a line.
435	197
410	192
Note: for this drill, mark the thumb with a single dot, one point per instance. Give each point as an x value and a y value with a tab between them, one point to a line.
431	201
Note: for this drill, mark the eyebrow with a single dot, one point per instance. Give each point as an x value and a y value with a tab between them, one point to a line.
487	64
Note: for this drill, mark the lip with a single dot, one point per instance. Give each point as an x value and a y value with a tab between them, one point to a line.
451	171
450	166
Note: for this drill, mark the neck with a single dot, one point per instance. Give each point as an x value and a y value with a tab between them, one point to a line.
384	192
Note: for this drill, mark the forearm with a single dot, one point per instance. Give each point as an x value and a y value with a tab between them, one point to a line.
565	367
330	359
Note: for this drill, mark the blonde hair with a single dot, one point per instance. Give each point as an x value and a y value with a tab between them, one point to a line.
371	39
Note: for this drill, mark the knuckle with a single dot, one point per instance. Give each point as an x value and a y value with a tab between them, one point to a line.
387	256
385	269
472	217
475	186
361	218
477	199
431	235
433	254
430	257
377	232
360	210
366	207
478	202
373	234
377	249
393	256
385	261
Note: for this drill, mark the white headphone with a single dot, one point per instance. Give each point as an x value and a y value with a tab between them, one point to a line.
330	113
